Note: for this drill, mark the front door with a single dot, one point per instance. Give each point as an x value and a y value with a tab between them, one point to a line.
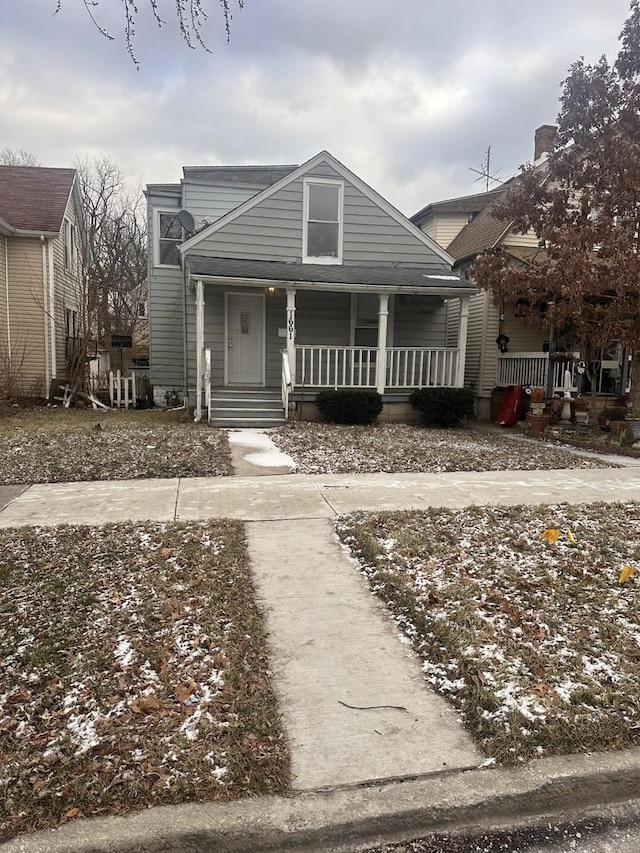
245	339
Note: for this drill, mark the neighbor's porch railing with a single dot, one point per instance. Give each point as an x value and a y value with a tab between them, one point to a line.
356	367
532	368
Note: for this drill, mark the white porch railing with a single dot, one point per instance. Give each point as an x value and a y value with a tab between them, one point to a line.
355	367
336	367
421	368
532	368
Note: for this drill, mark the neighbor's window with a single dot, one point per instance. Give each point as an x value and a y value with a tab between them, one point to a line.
323	204
169	236
69	236
71	322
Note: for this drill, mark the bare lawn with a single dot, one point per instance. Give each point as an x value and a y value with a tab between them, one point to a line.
400	448
133	672
65	445
519	617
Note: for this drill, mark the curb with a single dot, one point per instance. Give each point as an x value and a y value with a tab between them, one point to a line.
347	819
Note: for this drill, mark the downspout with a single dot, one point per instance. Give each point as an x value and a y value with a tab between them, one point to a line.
6	286
45	301
52	315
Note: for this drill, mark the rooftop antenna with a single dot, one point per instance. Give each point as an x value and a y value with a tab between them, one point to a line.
485	171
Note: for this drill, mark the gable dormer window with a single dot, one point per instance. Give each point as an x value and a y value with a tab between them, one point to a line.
169	235
323	221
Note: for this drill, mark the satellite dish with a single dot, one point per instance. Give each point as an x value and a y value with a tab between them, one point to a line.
187	222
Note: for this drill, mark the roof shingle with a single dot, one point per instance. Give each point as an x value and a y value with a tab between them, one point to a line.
34	198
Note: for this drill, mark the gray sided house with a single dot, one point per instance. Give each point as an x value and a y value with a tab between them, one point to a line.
280	281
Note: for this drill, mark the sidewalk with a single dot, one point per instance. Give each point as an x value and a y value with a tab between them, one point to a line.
363	772
302	496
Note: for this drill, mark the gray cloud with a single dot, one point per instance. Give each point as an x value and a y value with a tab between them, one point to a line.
408	95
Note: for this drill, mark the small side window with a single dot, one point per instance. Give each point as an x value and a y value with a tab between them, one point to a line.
168	238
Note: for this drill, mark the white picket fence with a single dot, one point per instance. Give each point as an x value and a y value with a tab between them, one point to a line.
122	390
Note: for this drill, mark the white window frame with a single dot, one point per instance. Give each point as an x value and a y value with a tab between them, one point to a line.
157	211
69	238
313	259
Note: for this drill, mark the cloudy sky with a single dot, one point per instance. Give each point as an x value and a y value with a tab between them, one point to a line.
408	94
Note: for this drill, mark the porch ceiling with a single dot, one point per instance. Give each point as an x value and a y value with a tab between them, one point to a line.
330	276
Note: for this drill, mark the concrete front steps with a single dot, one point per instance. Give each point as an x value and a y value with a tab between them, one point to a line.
246	408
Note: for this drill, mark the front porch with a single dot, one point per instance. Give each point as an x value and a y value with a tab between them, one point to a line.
308	337
538	369
559	372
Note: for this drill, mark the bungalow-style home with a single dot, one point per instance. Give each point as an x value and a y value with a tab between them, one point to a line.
40	277
502	350
268	284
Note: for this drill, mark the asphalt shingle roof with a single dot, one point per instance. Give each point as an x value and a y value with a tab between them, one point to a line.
259	175
483	232
34	198
412	278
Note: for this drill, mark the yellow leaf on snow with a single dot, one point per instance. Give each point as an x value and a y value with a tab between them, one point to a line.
551	534
626	573
571	537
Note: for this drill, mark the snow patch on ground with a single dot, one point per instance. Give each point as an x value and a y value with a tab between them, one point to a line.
261	451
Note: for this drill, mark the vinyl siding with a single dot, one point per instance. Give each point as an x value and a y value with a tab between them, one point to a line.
448	226
490	359
4	307
528	240
453	322
210	201
272	231
26	303
166	309
522	337
68	289
473	376
420	321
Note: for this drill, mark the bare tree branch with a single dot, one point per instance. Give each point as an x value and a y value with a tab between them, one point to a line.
191	17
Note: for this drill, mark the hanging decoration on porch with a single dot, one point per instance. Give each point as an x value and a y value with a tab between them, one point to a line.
503	343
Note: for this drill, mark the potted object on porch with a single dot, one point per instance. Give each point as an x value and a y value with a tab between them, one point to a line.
634	428
537	418
581	410
536	400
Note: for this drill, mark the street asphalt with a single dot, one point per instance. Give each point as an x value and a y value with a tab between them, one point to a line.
376	755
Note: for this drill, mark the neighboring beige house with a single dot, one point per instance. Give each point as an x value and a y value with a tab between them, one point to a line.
465	227
40	277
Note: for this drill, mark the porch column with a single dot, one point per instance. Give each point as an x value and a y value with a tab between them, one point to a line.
291	332
462	340
199	348
381	362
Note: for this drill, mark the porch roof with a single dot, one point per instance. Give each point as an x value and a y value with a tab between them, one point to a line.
331	275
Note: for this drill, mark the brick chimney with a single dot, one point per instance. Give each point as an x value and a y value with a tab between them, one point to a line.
545	140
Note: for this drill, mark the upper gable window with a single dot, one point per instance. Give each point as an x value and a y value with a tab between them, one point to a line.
169	235
323	216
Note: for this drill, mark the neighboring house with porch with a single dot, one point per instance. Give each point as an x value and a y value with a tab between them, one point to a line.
502	349
268	284
40	277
